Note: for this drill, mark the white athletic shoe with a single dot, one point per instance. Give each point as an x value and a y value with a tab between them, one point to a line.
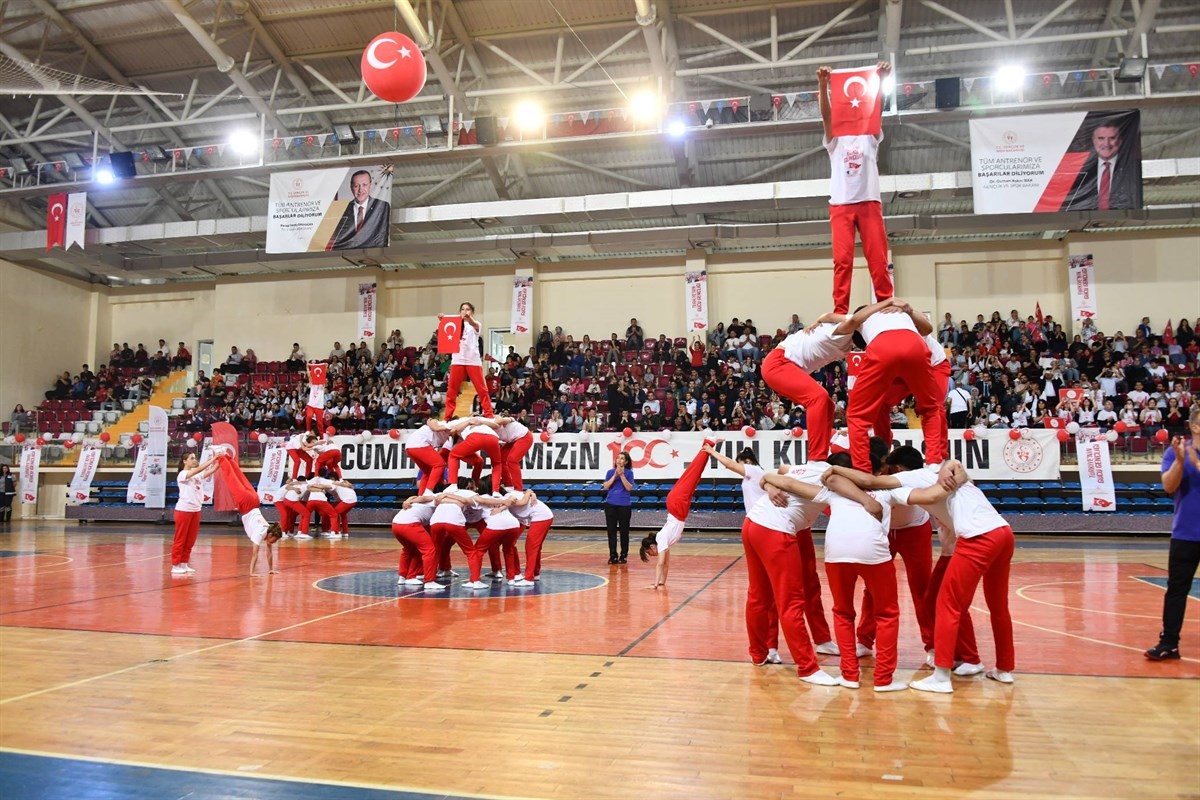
932	684
415	581
828	649
179	569
521	582
894	686
847	684
820	678
1000	675
476	585
434	586
964	669
287	535
335	536
773	656
862	651
302	537
929	659
187	567
447	573
497	576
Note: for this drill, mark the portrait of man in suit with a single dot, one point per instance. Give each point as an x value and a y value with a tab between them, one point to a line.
1112	176
366	221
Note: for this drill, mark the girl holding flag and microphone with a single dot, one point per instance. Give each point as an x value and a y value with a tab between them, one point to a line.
465	359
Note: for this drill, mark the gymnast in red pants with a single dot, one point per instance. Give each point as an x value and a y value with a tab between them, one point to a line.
679	503
245	498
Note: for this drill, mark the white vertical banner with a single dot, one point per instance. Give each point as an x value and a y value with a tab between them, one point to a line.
1095	476
1081	277
696	299
156	459
366	310
273	469
136	491
208	483
31	459
522	304
76	219
85	472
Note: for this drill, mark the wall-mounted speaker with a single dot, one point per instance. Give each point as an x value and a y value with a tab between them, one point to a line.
947	90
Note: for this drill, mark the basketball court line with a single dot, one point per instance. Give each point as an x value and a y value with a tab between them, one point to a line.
1021	594
394	791
678	608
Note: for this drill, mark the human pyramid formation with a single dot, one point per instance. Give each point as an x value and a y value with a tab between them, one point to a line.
879	500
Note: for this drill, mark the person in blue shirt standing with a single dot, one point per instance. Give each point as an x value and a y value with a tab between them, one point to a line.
618	483
1181	480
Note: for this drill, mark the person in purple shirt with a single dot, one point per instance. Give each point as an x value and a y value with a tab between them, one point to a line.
618	483
1181	480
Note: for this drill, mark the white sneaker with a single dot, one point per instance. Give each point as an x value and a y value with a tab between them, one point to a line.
820	678
476	585
335	536
773	656
847	684
415	581
289	535
932	684
179	569
862	651
434	586
400	581
894	686
497	576
828	649
521	582
537	577
1000	675
447	573
964	669
303	537
929	659
187	567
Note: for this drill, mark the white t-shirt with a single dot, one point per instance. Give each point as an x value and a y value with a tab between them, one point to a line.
426	436
255	525
669	534
799	514
811	351
191	492
295	493
468	348
502	520
853	535
878	323
511	432
451	513
317	488
296	442
484	429
316	395
959	400
969	512
531	512
853	169
416	514
346	494
752	492
937	353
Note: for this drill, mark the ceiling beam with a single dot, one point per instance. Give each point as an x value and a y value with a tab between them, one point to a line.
962	20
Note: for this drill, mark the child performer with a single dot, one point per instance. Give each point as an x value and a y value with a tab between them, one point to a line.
263	534
679	503
410	527
537	515
467	363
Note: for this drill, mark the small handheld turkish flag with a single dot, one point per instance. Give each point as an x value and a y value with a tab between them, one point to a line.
449	334
856	102
317	373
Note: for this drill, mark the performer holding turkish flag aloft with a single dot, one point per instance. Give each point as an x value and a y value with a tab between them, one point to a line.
315	406
852	110
465	361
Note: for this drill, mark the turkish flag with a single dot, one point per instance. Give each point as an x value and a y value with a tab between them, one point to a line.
56	221
1168	336
317	374
856	102
449	334
854	363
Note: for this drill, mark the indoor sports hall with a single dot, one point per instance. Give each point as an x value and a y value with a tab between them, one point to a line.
412	399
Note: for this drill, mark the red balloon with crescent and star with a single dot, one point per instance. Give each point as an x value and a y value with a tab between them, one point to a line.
393	67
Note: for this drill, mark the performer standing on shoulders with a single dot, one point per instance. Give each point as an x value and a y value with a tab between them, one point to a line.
467	363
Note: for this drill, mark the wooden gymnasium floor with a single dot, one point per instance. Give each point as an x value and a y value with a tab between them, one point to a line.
119	681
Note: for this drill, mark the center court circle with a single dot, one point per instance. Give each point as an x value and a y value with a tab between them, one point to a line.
382	583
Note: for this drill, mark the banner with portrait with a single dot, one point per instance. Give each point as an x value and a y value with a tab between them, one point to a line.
366	310
329	209
696	300
1077	161
522	304
1081	278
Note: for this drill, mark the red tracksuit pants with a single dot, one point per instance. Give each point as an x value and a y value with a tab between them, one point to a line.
966	650
431	465
883	420
341	517
475	374
187	528
774	568
679	499
419	548
312	419
291	512
488	539
880	580
475	443
331	460
788	379
987	557
325	510
915	546
867	217
534	540
512	455
896	355
301	458
245	496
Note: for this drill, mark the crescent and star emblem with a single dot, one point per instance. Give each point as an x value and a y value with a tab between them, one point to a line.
373	58
856	79
56	211
451	327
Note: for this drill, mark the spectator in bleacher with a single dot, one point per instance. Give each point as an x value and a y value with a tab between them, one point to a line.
795	325
635	337
249	360
718	335
141	358
20	420
233	362
296	360
182	358
1143	330
338	352
126	355
62	387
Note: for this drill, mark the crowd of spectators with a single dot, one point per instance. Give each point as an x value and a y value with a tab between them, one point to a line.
1006	372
